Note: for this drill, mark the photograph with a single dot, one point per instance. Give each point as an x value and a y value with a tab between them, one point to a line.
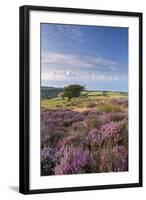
80	99
83	99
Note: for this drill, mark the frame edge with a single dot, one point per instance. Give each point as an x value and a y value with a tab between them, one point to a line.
23	100
141	99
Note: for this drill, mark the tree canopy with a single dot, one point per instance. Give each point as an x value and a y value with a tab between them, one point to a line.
73	91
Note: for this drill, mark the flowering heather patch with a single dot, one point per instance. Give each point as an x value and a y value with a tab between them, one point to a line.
92	141
110	133
114	159
123	102
104	118
120	156
73	161
47	160
47	153
89	141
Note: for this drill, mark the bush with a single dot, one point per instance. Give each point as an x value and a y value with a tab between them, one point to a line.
113	159
123	102
109	108
47	161
118	116
73	161
110	134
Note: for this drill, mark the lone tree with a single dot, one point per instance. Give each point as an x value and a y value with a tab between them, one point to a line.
73	91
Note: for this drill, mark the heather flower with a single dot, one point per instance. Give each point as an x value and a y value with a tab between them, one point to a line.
120	156
84	142
47	161
105	160
47	153
78	117
72	139
93	136
123	102
56	135
51	123
110	133
92	140
79	129
91	121
114	159
64	114
104	118
73	161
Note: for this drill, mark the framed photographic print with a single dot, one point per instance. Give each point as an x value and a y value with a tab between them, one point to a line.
80	99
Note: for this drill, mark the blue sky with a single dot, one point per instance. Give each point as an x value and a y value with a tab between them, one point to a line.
93	56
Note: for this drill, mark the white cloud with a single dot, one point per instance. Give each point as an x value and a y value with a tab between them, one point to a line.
57	66
70	75
77	61
65	59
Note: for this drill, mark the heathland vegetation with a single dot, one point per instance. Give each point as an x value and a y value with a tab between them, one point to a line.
83	131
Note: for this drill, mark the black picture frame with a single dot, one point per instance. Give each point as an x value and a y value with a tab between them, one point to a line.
24	122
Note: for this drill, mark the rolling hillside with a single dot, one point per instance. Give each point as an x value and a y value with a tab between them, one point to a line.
50	92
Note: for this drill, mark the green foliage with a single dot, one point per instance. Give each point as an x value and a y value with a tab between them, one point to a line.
109	108
73	91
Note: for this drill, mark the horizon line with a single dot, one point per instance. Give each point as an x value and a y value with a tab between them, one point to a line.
86	89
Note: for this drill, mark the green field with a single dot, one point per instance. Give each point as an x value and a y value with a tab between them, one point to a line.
88	99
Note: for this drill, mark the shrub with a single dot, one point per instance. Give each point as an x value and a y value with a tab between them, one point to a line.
118	116
104	118
73	161
123	125
47	161
109	108
110	133
78	129
84	142
92	140
123	102
114	159
120	157
92	120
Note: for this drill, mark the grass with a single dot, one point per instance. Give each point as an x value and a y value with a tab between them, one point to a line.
109	108
96	99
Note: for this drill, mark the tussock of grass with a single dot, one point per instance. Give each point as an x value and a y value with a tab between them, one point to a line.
109	108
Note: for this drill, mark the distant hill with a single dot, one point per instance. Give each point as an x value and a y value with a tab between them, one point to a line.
50	92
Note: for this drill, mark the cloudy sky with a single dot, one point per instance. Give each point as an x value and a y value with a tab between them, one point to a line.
93	56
